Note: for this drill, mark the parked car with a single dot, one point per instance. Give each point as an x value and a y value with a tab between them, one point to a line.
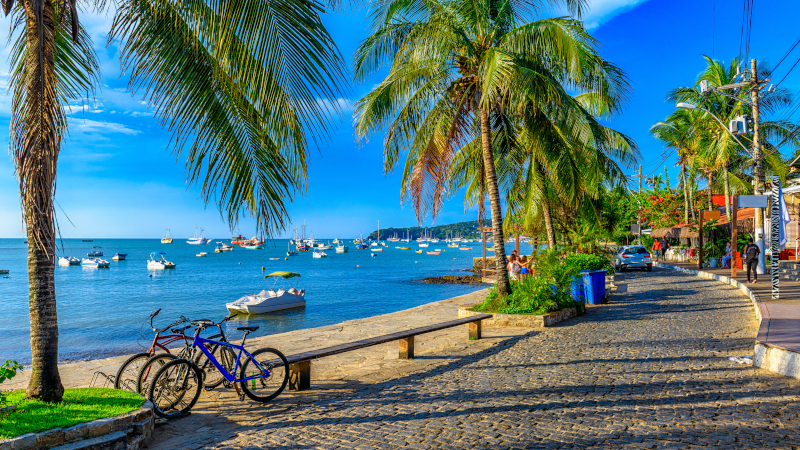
633	257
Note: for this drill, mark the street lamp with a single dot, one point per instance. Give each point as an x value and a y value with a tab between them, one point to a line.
689	106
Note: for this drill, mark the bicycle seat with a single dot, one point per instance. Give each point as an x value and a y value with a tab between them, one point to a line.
247	328
202	323
180	330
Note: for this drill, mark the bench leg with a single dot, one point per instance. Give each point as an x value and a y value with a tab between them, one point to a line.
475	330
300	376
407	348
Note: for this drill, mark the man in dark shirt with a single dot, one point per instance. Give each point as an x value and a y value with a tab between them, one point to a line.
751	252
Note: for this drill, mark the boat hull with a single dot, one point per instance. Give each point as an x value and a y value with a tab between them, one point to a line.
267	304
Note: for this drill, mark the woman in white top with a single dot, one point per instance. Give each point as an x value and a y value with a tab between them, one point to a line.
514	268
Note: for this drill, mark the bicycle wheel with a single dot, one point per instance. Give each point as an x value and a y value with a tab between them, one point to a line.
266	388
175	388
212	376
128	372
149	369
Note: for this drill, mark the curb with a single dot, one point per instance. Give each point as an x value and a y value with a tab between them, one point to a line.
766	356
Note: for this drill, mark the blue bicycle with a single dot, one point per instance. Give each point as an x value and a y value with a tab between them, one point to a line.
177	385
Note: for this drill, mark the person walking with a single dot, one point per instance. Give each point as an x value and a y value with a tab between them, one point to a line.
657	248
751	252
664	247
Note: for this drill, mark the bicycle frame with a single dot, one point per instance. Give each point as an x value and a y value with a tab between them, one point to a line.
229	377
167	339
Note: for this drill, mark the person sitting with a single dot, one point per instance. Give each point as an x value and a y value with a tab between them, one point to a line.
726	260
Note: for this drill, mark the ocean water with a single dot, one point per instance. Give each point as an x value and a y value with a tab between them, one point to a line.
104	312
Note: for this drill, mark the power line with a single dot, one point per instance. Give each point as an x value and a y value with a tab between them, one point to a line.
787	73
784	57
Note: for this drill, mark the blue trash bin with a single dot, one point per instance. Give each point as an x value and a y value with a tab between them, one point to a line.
578	290
594	286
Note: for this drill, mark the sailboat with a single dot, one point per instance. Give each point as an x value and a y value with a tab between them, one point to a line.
198	239
166	239
289	251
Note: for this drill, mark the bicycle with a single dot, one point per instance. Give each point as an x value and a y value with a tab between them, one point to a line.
211	376
128	373
176	387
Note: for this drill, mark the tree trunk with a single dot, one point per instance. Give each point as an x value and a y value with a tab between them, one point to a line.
503	283
37	138
726	182
710	194
685	195
548	224
691	201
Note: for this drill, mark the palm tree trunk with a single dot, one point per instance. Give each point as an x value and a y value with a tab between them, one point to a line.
548	224
691	201
710	194
685	195
503	283
35	156
726	182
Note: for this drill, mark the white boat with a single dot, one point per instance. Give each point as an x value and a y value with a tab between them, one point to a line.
375	244
94	262
166	239
377	249
324	247
227	247
289	251
202	254
337	241
158	261
320	254
199	239
96	251
119	257
69	261
424	244
341	248
271	300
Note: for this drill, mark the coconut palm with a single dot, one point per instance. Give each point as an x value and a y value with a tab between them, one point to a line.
456	69
676	132
237	84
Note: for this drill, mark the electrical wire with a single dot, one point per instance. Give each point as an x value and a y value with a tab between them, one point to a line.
787	73
796	43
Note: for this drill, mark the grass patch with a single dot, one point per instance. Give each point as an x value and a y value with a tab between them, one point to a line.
79	406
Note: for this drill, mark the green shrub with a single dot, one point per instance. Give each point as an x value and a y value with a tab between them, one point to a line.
7	372
589	262
532	295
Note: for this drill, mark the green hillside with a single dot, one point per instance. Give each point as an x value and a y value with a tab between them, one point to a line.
463	229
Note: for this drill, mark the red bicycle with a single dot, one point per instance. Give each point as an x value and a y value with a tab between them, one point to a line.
128	373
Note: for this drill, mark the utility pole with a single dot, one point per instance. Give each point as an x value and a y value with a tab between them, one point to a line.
758	168
639	217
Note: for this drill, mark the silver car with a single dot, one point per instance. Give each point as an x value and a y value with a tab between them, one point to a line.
633	257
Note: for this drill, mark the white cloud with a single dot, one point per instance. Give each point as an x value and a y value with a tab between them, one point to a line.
93	126
601	11
343	104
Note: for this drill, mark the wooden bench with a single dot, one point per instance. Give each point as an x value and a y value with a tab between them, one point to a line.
300	364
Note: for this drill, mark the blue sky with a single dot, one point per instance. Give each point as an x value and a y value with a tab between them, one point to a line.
117	178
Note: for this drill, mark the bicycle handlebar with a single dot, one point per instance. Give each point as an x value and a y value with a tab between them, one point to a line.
152	316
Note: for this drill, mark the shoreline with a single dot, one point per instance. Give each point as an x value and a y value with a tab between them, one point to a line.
79	373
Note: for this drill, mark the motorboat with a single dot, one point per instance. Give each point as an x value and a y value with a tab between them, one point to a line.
96	251
303	248
417	251
403	248
377	249
271	299
289	251
158	261
465	248
166	239
238	239
318	254
227	247
254	246
362	246
119	256
324	247
218	248
434	253
424	244
69	261
95	262
453	245
337	241
199	239
202	254
3	271
375	244
341	248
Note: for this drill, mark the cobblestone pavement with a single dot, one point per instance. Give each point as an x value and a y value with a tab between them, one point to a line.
649	370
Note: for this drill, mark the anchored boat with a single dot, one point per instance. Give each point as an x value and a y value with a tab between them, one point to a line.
69	261
166	239
271	300
119	256
95	262
158	261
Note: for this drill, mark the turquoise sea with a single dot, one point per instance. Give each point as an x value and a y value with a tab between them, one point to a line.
104	312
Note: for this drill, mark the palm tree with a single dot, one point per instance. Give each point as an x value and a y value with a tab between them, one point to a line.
457	68
222	77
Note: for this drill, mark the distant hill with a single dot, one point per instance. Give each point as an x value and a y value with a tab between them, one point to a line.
463	229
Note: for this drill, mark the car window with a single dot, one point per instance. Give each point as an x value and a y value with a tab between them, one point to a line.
642	251
636	251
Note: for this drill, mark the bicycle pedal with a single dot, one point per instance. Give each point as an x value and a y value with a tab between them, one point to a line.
241	397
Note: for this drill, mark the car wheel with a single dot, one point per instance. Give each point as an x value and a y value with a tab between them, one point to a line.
649	269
